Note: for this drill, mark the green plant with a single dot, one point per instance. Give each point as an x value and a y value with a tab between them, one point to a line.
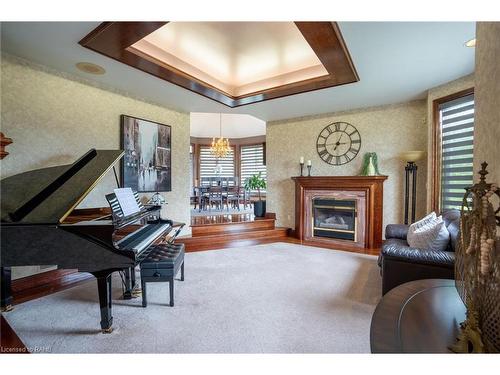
256	182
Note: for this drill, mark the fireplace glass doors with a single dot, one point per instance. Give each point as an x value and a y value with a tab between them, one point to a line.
334	218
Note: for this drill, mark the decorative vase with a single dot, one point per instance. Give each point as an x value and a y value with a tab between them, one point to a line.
370	170
477	268
370	165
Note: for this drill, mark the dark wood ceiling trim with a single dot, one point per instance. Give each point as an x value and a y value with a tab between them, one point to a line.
113	39
328	44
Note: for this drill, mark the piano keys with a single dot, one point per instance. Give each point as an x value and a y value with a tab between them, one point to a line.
34	229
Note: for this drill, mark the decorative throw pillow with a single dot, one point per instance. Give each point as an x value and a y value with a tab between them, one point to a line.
425	220
430	233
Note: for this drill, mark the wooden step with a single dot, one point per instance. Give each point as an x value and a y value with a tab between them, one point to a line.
225	240
232	227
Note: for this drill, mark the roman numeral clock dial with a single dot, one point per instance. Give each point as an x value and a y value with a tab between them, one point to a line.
338	143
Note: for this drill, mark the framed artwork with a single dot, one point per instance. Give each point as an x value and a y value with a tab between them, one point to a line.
146	165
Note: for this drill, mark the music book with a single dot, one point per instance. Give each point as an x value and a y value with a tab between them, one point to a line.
126	199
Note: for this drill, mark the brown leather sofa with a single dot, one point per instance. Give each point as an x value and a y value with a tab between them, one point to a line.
399	263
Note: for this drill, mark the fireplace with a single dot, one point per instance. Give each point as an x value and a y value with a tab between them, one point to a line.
340	212
334	218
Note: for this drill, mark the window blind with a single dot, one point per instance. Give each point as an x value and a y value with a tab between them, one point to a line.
456	119
209	162
252	162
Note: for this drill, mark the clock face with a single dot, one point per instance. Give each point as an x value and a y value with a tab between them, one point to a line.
338	143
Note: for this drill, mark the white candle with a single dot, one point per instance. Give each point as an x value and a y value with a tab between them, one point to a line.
309	162
301	160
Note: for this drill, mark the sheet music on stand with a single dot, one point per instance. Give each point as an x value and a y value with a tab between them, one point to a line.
126	199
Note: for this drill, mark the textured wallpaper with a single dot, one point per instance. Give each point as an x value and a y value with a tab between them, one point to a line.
387	130
487	93
53	120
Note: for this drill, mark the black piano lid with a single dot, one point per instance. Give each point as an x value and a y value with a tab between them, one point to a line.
48	195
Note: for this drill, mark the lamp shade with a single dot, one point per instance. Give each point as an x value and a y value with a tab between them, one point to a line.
412	155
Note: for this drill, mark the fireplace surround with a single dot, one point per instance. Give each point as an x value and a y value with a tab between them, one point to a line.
334	218
340	212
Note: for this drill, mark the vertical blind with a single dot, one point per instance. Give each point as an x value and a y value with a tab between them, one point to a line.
252	162
209	162
456	119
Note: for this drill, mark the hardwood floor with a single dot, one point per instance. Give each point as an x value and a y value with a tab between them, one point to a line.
10	343
43	284
207	220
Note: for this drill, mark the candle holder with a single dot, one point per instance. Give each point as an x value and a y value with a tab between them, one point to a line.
309	170
301	169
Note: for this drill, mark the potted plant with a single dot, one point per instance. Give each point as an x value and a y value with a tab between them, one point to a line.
256	182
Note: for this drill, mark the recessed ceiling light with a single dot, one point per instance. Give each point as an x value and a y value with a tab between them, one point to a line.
90	68
471	43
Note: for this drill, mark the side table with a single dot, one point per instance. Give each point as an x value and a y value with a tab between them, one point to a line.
421	316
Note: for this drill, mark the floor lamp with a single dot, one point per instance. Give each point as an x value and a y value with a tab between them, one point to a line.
411	183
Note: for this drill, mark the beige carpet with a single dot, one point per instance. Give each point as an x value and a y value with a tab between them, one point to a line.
276	298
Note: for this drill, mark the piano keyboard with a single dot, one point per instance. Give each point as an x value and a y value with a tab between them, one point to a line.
142	238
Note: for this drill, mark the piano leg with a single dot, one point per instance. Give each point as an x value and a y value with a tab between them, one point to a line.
144	295
171	289
129	283
104	289
5	289
136	291
132	277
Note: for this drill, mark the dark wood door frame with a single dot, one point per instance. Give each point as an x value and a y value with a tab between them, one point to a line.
436	146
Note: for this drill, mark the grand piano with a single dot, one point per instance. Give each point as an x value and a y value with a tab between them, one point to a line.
34	229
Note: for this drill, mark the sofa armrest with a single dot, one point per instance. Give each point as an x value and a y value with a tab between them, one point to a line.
394	251
396	231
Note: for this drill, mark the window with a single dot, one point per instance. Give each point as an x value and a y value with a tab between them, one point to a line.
456	124
209	164
252	162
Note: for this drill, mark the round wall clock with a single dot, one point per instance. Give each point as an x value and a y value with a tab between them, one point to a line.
338	143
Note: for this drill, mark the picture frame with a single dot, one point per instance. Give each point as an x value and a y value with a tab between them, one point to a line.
147	164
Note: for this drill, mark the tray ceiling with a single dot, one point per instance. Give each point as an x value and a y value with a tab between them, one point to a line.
234	63
236	57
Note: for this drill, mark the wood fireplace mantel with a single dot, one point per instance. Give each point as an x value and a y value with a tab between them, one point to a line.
371	186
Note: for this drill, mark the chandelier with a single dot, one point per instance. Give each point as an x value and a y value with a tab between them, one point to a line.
220	147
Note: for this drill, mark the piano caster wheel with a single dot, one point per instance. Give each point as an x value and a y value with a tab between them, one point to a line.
107	330
7	308
127	295
136	293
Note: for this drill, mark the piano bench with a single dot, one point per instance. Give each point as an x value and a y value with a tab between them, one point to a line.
162	264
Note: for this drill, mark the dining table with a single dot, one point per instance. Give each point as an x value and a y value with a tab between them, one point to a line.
203	190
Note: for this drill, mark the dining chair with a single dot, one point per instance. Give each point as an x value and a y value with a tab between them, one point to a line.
233	197
214	197
244	197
